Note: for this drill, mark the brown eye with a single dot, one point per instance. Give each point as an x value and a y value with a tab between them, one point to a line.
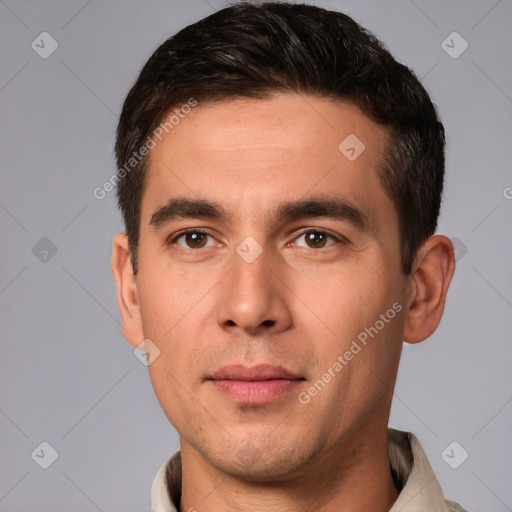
315	239
192	240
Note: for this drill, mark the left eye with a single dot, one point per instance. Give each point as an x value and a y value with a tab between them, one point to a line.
315	239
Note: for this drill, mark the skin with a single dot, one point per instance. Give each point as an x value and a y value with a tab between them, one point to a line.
295	305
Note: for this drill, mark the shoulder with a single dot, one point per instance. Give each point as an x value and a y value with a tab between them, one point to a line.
454	507
418	485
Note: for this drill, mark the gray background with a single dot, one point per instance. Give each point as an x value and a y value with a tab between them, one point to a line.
68	377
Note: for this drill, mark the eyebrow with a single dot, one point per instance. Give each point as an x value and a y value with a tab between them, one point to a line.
328	207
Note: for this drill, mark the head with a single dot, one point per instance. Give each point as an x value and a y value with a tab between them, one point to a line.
250	51
258	122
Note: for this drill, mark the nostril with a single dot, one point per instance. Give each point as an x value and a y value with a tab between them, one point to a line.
268	323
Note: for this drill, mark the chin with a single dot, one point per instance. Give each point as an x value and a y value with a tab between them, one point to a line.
254	463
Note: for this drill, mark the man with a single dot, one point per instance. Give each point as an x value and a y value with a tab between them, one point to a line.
280	178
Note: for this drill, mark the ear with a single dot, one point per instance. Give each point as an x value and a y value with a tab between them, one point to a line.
430	277
127	298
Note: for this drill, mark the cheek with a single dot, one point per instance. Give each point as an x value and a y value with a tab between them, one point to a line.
174	326
172	388
345	300
169	297
347	307
173	310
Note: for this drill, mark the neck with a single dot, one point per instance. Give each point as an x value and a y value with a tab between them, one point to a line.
353	476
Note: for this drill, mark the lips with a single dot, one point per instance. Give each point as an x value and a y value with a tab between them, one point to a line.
254	373
256	385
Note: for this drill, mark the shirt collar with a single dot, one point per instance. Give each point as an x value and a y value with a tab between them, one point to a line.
412	472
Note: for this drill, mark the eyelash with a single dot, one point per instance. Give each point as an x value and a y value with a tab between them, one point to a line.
338	238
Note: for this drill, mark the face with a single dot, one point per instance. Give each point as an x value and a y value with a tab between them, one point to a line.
269	279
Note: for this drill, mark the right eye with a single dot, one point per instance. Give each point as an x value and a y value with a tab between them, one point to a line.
192	239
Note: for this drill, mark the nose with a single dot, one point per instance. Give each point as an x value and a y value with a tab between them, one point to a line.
254	298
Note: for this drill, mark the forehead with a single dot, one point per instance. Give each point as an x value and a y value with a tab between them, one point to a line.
251	154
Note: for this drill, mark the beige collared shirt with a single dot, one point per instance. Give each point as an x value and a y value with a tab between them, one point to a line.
420	490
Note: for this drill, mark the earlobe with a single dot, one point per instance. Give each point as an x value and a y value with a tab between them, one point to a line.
127	296
431	275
